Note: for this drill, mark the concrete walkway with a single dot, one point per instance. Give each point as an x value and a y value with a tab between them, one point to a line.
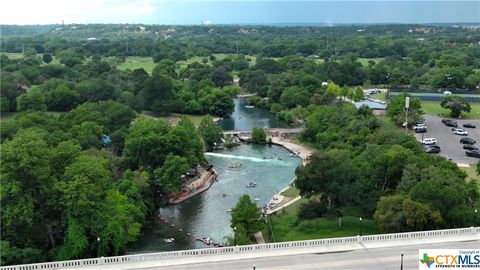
280	207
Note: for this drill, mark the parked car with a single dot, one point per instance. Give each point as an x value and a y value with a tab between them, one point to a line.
432	149
473	153
469	125
459	131
429	141
420	130
451	123
470	147
419	126
467	140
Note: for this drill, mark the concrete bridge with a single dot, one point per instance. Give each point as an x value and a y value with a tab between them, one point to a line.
369	250
272	132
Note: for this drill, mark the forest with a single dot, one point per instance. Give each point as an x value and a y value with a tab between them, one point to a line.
82	167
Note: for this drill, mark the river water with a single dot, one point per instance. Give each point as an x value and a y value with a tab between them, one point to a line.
207	215
244	118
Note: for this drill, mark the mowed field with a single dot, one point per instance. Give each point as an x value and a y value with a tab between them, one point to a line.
134	62
434	108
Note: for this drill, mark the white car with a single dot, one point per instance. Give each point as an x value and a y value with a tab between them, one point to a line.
429	141
419	126
460	131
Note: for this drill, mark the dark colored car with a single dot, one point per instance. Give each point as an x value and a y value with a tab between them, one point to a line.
444	120
473	153
432	149
469	125
467	140
451	123
470	147
420	130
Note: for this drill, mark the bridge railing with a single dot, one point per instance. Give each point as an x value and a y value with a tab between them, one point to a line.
245	249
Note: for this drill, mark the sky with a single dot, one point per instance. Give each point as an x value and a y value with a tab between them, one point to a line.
237	12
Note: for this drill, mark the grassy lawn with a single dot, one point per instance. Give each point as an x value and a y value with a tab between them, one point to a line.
134	62
174	117
287	227
13	55
471	172
364	61
291	192
218	56
434	108
382	96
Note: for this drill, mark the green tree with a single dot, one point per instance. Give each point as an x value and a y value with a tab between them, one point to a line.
62	98
456	105
87	134
221	103
47	58
358	95
210	132
169	176
146	143
398	214
221	77
32	101
4	104
246	214
157	93
396	110
259	136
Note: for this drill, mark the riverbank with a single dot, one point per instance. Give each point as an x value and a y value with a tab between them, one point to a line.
302	151
202	184
279	201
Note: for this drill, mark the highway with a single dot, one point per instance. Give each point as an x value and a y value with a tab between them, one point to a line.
371	259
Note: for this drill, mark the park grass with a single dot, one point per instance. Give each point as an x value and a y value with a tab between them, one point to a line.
13	56
134	62
382	96
434	108
364	61
291	192
287	227
471	172
173	118
218	56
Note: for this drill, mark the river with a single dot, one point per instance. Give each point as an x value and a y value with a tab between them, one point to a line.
244	118
206	215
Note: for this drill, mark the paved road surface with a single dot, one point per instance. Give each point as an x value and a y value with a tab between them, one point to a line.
449	143
371	259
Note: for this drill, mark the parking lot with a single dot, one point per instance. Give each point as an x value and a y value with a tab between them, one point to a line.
450	145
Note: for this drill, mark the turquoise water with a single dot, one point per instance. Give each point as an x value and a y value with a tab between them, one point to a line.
246	119
206	215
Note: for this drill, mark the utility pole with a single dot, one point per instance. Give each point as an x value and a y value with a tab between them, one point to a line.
407	105
401	262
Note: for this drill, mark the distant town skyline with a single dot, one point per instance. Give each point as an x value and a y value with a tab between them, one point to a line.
237	12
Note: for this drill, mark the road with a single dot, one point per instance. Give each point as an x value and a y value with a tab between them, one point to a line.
449	143
371	259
